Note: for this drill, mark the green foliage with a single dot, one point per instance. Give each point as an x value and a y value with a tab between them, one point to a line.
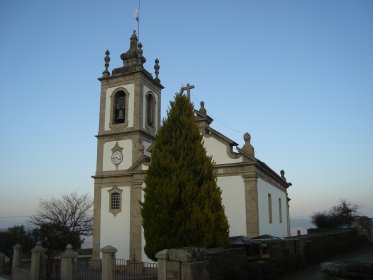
55	238
182	205
16	235
341	215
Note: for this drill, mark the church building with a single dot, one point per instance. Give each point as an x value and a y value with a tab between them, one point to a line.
254	196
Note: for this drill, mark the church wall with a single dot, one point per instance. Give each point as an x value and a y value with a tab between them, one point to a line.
131	101
265	227
127	155
218	151
115	230
233	198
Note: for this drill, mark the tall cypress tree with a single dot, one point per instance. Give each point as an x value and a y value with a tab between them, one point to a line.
182	204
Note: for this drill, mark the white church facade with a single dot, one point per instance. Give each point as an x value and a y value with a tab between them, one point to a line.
254	196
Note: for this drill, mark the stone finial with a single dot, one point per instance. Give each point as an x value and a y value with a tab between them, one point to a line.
109	249
247	147
202	110
69	252
38	248
247	137
133	59
156	69
139	54
107	60
282	173
133	40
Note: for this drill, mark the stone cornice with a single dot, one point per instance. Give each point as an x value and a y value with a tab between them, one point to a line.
126	131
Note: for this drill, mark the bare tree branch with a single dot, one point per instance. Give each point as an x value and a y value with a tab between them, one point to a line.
71	210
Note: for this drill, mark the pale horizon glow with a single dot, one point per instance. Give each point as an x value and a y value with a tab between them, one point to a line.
296	75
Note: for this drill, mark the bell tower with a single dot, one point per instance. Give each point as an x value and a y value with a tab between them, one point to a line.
130	103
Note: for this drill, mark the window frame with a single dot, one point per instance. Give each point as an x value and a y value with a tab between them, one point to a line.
151	128
147	106
112	191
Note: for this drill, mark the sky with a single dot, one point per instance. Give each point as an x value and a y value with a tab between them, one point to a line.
296	74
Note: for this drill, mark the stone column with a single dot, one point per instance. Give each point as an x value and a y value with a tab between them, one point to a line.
162	258
17	254
108	259
136	246
97	217
251	201
288	213
2	261
36	259
68	264
187	264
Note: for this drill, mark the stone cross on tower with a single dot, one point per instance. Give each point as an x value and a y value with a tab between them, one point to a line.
188	87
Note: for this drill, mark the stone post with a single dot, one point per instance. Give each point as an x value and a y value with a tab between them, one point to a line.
162	258
2	261
36	259
108	259
17	255
68	261
183	264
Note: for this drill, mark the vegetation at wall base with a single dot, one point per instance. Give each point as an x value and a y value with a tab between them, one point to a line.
182	203
16	235
338	216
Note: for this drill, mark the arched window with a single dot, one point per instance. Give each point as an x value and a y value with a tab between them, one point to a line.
150	110
119	109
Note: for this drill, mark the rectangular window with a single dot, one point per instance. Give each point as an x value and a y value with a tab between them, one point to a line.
270	208
279	210
115	201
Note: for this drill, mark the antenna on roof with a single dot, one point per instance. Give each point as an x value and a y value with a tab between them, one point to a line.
137	18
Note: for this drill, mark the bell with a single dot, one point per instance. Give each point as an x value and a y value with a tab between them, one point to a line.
120	115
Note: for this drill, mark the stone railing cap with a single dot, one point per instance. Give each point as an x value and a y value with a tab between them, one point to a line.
109	249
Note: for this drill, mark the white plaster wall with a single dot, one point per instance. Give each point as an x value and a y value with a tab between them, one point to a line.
275	228
127	155
145	91
218	151
233	198
131	100
115	230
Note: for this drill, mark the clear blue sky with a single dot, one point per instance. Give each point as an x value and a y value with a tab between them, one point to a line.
297	75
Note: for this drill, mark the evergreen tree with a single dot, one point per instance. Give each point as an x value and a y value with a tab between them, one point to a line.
182	204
